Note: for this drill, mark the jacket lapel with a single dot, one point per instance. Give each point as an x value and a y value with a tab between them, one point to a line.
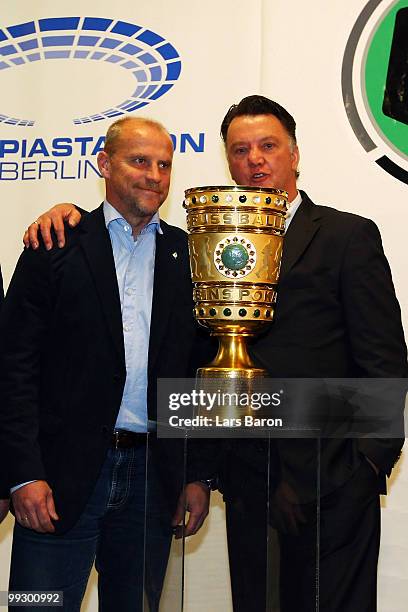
166	276
301	232
96	244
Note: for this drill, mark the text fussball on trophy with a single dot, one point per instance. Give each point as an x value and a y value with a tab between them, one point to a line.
235	243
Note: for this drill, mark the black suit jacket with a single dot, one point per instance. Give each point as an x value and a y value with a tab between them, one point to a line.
63	366
336	317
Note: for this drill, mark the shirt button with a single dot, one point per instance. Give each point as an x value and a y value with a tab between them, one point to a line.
126	228
127	328
129	291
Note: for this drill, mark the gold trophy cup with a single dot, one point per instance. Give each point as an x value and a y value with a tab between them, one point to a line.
235	244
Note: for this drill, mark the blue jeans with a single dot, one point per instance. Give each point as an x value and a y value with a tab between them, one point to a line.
110	531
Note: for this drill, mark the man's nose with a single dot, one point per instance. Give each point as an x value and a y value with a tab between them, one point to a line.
255	156
153	173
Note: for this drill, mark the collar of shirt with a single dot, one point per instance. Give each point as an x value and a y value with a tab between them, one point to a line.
292	208
114	221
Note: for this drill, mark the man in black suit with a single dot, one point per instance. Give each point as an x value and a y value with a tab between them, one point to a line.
86	331
336	316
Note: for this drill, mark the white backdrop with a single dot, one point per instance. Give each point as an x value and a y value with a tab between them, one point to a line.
289	50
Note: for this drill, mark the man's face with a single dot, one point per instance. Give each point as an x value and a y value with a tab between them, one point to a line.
260	153
137	173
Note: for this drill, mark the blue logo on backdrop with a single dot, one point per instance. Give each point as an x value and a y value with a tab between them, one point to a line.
154	62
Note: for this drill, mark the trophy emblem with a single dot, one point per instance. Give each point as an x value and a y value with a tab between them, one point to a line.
235	244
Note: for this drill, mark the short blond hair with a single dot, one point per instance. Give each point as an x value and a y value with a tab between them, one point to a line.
115	130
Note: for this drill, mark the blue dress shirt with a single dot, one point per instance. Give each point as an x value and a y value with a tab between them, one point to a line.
134	263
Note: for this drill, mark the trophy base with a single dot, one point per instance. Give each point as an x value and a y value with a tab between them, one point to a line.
230	373
232	361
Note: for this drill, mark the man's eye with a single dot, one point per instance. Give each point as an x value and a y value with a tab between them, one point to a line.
164	165
139	160
269	145
240	150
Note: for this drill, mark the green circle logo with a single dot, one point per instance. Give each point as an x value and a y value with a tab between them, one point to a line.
376	57
235	256
386	76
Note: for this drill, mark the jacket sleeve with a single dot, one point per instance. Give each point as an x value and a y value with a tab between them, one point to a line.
375	334
4	491
24	319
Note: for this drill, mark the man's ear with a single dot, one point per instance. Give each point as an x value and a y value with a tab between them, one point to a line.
104	164
295	157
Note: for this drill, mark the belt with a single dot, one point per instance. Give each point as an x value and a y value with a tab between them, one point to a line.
128	439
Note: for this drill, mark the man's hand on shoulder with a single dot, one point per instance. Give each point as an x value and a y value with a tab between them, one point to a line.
4	508
195	498
34	506
55	218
